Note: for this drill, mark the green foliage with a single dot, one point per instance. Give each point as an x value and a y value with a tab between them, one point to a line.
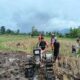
8	31
18	31
73	33
48	34
35	32
2	29
58	34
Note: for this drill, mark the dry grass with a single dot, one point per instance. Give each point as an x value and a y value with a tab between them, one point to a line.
27	44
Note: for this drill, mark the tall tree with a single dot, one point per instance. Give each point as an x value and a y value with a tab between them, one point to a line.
3	29
8	31
35	32
74	32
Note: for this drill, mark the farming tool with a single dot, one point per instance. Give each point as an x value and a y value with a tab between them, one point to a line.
38	65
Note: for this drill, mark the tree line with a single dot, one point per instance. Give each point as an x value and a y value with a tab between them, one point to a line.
72	33
3	30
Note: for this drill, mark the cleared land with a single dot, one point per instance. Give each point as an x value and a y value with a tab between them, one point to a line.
12	62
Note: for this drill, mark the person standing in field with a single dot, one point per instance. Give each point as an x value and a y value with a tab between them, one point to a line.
52	40
74	50
78	46
56	49
43	46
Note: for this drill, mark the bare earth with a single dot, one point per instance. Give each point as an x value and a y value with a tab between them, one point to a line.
12	66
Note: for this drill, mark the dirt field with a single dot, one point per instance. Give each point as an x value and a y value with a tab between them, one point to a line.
12	67
13	56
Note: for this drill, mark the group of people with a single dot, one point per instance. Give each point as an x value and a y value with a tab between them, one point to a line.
55	45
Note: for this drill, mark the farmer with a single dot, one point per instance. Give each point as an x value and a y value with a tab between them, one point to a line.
56	49
52	40
78	46
74	50
43	46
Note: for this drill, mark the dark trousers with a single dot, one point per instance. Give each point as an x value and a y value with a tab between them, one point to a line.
56	53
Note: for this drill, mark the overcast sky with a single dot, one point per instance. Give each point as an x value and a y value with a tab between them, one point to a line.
46	15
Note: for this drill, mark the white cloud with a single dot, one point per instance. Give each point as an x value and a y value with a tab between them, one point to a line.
45	14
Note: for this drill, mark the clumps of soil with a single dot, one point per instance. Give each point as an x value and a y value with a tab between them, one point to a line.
12	65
